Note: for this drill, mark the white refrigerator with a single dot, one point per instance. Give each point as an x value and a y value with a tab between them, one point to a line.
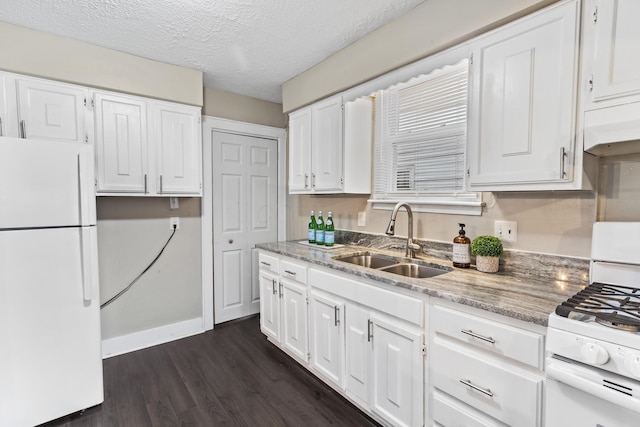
50	344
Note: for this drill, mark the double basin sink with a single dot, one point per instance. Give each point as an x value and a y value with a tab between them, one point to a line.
390	264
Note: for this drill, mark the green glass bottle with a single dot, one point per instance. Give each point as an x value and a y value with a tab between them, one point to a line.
329	230
312	228
320	229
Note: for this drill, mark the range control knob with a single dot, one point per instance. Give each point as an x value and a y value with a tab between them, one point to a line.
632	363
594	353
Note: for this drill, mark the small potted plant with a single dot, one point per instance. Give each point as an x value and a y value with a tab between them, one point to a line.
487	250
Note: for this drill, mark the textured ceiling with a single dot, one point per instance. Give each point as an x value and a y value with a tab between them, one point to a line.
249	47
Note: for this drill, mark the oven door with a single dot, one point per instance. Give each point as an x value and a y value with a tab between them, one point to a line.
580	395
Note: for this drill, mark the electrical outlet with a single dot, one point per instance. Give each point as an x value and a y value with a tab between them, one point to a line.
174	220
173	203
362	219
507	231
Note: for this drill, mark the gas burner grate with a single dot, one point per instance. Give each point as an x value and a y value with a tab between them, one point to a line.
612	305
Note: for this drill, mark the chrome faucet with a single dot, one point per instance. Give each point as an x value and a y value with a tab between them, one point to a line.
411	247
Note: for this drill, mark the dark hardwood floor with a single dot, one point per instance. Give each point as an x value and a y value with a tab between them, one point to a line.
231	376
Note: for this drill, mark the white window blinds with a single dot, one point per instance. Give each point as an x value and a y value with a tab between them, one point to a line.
420	143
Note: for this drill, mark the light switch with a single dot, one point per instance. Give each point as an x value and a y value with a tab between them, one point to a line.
173	203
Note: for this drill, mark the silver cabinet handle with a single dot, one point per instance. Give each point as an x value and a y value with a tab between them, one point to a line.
23	129
563	155
293	273
265	263
145	183
280	288
1	133
369	330
160	183
480	337
336	315
273	286
475	387
306	180
313	180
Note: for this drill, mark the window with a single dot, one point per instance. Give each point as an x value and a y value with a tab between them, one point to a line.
420	143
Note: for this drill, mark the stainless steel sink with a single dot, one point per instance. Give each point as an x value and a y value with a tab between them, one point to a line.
369	260
390	264
409	269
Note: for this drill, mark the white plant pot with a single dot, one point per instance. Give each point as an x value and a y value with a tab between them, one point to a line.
487	264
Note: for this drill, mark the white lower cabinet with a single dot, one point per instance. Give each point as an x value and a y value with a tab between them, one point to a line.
367	342
283	304
484	369
397	378
326	332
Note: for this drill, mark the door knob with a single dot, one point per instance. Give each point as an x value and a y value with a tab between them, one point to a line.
230	240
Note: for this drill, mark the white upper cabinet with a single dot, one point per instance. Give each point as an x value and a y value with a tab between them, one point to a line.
35	108
51	111
327	145
121	143
614	50
177	133
300	151
522	116
8	118
611	78
146	147
330	147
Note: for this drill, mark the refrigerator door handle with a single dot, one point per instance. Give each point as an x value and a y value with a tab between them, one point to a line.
84	192
87	262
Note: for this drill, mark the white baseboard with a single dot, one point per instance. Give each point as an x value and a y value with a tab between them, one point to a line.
143	339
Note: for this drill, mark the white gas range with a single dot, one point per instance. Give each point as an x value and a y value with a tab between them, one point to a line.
593	339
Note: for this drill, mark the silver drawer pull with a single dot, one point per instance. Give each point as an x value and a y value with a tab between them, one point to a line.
293	273
265	263
475	387
480	337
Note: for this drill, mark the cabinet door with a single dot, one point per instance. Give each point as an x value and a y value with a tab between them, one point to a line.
357	354
397	378
327	145
8	105
269	304
522	112
326	327
300	151
178	149
121	144
294	319
616	52
51	111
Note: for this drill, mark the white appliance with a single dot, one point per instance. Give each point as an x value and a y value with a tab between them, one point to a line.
593	339
50	345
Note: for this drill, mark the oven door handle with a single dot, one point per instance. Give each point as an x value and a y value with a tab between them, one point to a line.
571	376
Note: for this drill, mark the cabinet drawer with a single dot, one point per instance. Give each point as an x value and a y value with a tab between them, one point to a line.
500	390
505	340
293	271
268	262
451	412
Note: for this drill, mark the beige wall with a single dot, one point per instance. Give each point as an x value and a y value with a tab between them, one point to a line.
131	232
548	222
226	105
44	55
431	27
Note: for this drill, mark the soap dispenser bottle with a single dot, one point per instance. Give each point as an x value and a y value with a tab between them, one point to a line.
461	249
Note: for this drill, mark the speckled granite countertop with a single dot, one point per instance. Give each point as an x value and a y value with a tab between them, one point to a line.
530	299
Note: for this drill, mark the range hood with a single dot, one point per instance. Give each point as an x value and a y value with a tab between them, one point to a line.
613	131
